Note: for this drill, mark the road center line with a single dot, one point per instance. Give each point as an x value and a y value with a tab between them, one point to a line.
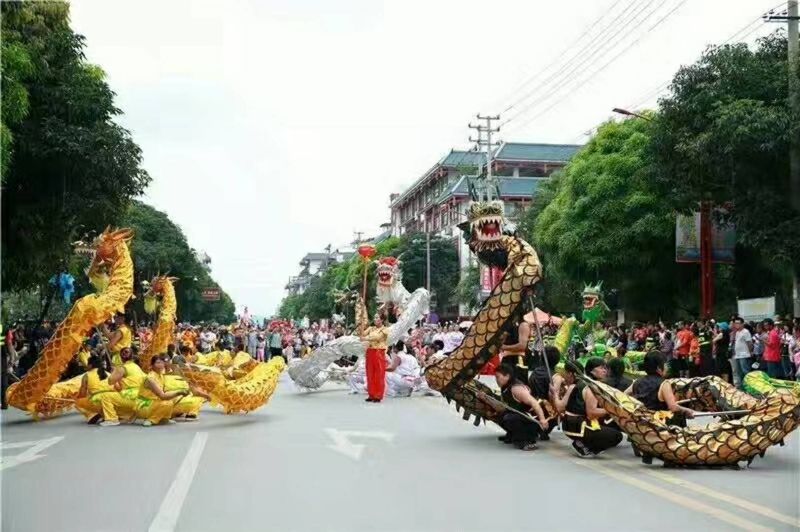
671	496
708	492
167	517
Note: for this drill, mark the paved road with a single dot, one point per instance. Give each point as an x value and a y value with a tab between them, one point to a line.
329	461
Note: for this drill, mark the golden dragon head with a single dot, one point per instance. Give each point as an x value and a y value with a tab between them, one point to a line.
102	251
155	293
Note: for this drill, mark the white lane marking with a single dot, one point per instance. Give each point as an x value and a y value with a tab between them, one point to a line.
167	517
342	443
30	455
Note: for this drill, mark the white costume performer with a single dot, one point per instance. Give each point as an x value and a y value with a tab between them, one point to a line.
404	378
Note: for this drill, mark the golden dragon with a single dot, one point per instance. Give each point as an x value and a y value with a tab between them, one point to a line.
455	376
111	271
767	422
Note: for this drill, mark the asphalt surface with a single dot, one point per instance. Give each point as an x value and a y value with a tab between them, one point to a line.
328	461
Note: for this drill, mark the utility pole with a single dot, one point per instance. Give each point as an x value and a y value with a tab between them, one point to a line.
358	235
791	17
491	183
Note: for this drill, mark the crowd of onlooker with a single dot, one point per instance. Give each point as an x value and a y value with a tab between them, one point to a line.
692	348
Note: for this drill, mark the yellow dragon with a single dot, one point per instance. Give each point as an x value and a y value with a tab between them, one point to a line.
160	296
111	272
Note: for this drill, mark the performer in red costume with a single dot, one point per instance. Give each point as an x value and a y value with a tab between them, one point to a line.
376	338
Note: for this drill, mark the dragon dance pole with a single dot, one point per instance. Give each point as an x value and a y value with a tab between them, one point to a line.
367	251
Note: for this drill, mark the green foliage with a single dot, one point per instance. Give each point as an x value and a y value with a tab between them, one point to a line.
467	291
159	246
67	166
317	301
723	136
606	221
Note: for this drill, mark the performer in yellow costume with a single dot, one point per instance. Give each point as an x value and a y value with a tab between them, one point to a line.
155	389
120	339
93	384
128	401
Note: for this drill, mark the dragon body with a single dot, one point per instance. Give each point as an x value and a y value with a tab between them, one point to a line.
726	442
312	372
161	297
111	271
243	394
455	375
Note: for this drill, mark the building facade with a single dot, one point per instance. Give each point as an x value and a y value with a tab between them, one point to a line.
437	201
312	265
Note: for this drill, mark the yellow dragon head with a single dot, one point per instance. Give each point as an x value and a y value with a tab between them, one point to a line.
103	251
155	293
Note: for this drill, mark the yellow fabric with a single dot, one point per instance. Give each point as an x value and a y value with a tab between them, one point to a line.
240	358
224	358
377	337
189	404
96	385
83	357
133	379
146	392
115	404
87	407
125	341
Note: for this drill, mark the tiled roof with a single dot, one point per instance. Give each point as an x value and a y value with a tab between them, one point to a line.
457	158
510	187
524	151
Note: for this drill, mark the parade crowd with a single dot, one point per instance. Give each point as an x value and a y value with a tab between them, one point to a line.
692	348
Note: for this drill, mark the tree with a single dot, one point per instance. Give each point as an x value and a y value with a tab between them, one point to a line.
607	222
159	246
467	291
67	166
317	301
723	136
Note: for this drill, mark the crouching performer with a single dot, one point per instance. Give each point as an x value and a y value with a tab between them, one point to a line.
584	422
522	431
93	385
130	380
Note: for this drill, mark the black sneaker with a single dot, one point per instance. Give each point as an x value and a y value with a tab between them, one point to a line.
97	418
544	437
503	438
527	446
369	400
580	447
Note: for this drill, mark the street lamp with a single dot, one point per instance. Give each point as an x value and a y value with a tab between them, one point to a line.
630	113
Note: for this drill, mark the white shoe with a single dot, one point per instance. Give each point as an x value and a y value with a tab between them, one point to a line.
168	422
108	423
147	423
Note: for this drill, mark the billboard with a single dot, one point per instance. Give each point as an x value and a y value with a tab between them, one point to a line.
210	294
687	240
756	309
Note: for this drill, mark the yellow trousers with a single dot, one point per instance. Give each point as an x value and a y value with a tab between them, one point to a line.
87	407
188	405
114	404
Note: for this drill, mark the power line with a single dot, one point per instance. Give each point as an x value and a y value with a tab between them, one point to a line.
599	44
748	29
589	28
582	82
740	34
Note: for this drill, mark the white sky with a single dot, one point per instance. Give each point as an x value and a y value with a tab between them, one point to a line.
272	128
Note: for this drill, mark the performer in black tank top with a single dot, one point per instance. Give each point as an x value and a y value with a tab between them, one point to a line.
521	430
514	350
583	420
655	393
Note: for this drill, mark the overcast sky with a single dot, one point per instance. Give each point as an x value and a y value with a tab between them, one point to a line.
273	128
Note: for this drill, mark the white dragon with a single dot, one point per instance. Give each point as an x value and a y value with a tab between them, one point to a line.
312	371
